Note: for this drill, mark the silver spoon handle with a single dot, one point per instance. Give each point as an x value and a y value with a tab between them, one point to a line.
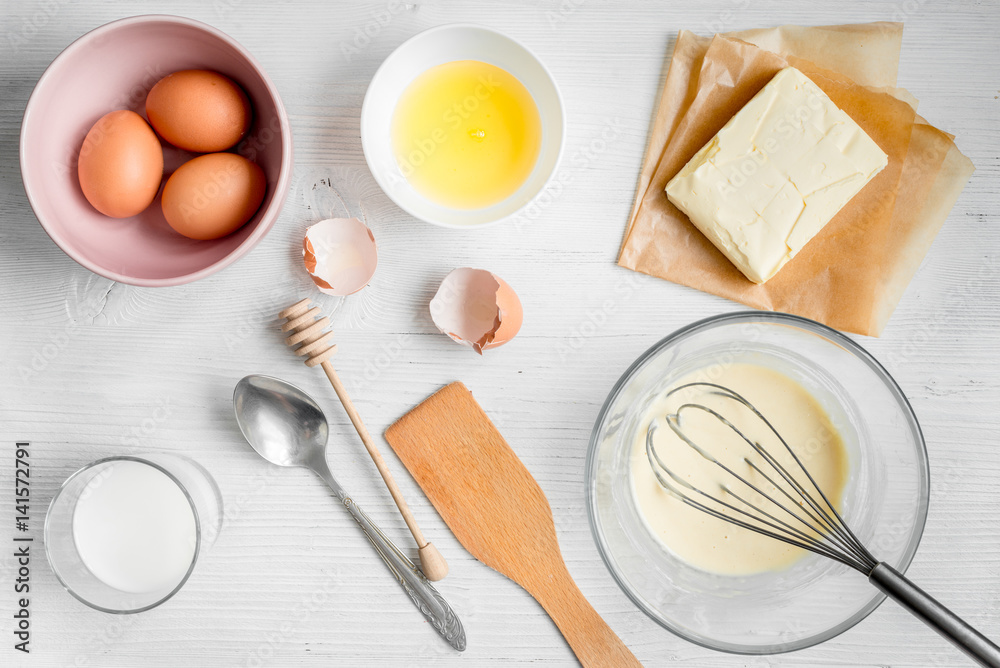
922	605
427	599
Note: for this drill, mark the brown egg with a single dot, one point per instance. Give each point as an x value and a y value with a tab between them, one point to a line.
199	110
120	164
213	195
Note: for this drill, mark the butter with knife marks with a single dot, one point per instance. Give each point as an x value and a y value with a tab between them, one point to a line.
775	174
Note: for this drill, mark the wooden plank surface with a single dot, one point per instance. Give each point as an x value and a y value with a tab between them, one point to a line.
92	368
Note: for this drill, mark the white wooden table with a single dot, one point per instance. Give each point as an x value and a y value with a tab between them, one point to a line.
92	368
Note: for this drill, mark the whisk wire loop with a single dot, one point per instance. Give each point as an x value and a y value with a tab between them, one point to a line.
785	534
830	525
837	534
825	533
674	423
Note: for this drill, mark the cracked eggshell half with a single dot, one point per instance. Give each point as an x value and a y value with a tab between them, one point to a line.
340	255
477	309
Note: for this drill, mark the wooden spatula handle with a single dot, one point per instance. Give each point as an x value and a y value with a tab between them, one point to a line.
499	513
589	636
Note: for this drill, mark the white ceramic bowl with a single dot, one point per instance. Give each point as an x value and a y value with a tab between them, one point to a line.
441	45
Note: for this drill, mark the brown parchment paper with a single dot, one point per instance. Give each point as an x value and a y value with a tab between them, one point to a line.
868	53
912	237
853	273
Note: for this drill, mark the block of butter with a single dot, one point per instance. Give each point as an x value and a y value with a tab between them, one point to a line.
775	174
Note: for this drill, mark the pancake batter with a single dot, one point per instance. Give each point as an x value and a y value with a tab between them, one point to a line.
710	543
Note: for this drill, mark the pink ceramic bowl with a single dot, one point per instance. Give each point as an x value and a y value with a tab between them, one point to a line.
113	67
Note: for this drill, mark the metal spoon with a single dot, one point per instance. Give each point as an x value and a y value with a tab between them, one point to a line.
286	427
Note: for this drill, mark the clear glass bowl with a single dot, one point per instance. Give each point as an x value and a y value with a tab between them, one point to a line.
198	488
885	499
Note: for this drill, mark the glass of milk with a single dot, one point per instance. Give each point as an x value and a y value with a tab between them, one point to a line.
123	534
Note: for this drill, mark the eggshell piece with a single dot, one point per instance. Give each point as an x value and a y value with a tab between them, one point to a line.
340	255
120	164
477	309
213	195
199	110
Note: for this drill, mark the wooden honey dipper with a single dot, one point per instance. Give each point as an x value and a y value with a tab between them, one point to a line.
307	330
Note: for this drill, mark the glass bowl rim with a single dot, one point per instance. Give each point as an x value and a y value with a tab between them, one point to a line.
830	335
197	528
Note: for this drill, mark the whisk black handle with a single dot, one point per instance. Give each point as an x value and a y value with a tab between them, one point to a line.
923	606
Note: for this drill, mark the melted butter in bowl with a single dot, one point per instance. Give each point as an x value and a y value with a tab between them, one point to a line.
709	543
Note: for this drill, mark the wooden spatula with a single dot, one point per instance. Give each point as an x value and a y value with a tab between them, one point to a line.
498	512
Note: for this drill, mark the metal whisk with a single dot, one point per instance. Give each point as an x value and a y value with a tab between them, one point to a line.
799	514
